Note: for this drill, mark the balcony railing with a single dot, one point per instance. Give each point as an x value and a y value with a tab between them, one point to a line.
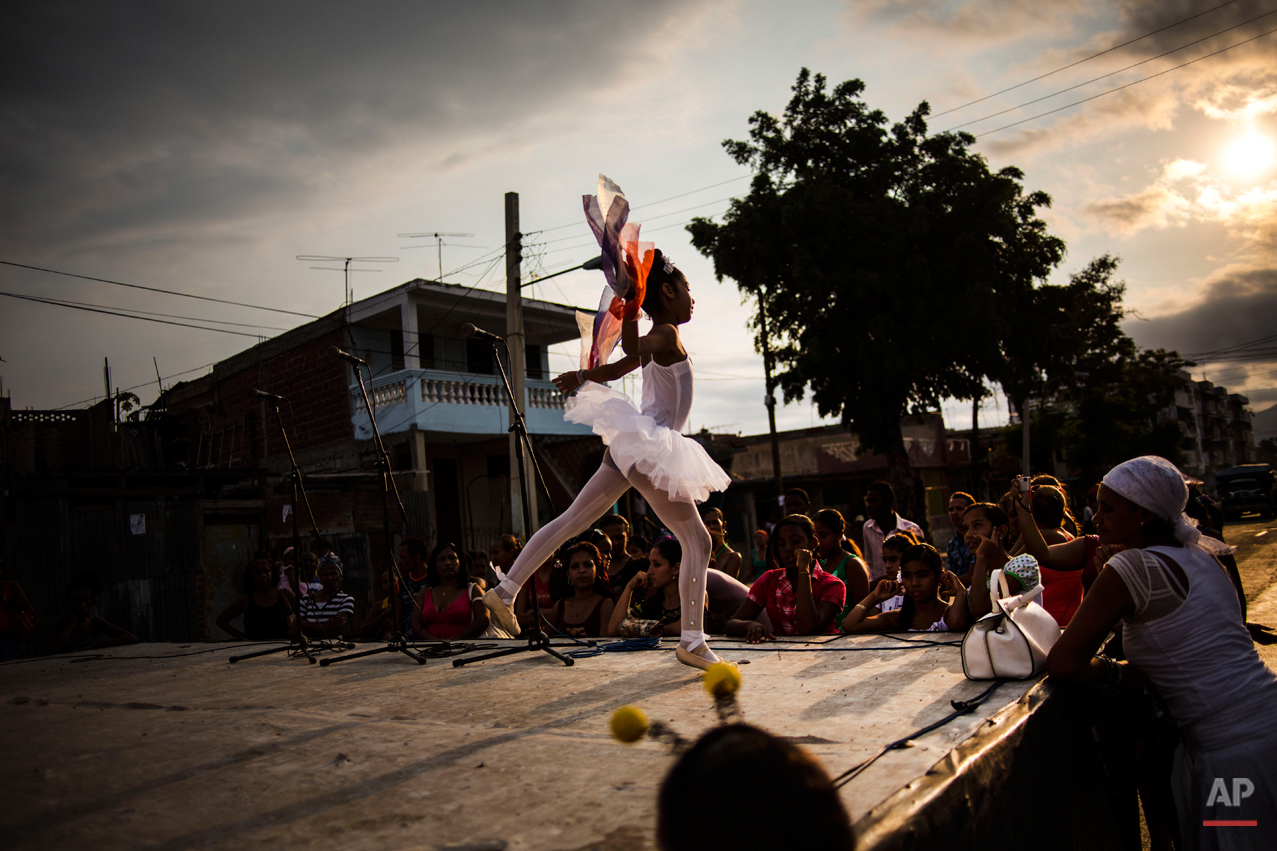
462	402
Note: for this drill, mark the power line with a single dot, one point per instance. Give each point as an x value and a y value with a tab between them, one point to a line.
1119	88
1087	59
1237	347
156	290
1106	76
661	201
69	303
72	306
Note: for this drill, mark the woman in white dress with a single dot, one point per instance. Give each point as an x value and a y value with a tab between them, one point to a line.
1182	629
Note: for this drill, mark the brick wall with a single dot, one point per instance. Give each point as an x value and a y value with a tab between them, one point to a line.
317	413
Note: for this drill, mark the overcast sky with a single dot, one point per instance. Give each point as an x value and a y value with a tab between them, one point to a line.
201	146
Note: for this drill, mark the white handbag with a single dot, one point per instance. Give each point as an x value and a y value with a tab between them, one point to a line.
1013	640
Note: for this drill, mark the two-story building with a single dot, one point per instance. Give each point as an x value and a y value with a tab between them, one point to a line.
440	405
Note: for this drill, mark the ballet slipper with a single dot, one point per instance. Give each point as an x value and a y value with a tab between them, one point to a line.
502	612
702	657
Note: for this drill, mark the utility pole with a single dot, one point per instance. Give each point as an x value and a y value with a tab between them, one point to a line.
770	399
976	455
518	371
1024	424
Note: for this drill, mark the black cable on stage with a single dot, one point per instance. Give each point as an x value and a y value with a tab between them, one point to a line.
960	708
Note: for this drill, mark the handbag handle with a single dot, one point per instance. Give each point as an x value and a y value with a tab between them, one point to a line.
998	580
998	588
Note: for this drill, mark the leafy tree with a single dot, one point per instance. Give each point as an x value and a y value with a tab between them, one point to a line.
893	267
1268	451
1101	395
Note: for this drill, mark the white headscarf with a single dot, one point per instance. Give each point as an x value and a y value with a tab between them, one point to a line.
1157	485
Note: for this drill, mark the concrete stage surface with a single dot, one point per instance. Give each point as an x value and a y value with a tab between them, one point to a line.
122	752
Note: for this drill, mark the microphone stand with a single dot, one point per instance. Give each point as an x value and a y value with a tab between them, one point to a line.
398	643
537	640
299	486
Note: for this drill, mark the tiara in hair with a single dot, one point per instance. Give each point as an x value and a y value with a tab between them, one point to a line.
669	265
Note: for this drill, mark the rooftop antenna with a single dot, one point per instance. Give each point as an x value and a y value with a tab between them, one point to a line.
346	261
438	238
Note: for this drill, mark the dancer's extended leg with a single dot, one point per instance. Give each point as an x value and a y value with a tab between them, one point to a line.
685	522
603	489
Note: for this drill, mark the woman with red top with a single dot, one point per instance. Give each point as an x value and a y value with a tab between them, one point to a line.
1061	589
452	608
799	597
587	610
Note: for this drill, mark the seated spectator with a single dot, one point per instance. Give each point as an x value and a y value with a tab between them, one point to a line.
326	613
722	556
893	549
78	629
451	607
652	595
621	565
269	612
883	522
379	625
836	560
987	529
603	543
587	611
1061	589
961	559
638	546
307	580
798	596
501	554
547	589
923	580
1069	524
481	573
700	808
17	618
797	502
413	554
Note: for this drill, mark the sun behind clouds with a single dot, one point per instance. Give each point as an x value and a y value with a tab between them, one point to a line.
1249	155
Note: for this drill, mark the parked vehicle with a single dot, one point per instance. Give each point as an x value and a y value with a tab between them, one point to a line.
1249	487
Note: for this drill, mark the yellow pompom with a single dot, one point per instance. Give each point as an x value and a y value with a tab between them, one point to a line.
722	679
629	724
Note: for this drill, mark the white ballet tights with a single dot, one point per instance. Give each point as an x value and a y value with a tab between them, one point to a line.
602	490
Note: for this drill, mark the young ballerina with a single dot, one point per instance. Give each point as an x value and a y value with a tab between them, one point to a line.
645	451
922	579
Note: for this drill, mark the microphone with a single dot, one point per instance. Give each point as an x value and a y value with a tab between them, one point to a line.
346	356
262	394
470	330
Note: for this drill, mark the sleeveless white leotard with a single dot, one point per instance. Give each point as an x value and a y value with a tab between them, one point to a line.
648	439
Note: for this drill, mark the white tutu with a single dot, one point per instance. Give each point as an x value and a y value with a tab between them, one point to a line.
673	463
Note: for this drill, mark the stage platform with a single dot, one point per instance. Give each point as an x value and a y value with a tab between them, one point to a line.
188	751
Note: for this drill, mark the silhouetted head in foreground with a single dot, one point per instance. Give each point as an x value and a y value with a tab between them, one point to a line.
700	807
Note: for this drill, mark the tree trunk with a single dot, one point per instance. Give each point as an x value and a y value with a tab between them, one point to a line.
900	475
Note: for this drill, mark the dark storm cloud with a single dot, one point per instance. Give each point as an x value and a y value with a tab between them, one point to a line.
1145	16
120	118
1238	306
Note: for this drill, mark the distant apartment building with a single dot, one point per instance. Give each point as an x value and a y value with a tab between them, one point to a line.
1218	427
